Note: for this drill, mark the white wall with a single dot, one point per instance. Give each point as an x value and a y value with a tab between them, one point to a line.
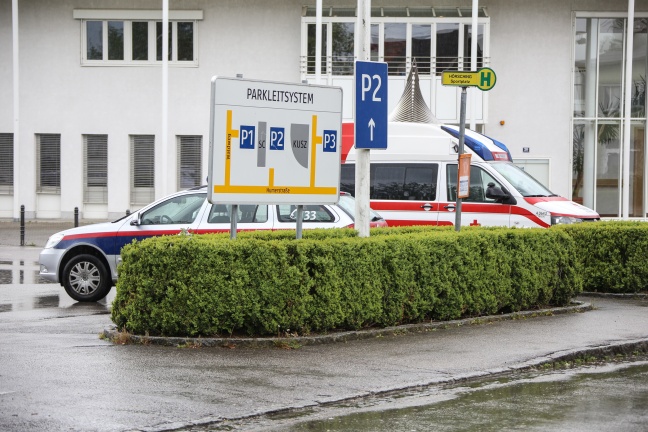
531	45
58	95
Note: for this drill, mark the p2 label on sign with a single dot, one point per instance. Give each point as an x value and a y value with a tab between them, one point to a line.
277	138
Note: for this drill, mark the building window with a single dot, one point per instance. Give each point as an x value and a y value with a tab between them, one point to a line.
189	161
115	40
142	169
6	163
94	40
140	40
48	156
436	39
95	169
134	37
598	116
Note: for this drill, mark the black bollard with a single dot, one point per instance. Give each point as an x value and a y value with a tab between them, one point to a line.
127	212
22	225
76	217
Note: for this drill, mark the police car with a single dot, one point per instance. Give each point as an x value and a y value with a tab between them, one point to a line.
84	260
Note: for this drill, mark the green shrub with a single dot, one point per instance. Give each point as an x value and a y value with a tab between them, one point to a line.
614	255
267	283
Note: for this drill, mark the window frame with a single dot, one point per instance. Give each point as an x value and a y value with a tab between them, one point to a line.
431	65
141	195
183	140
7	163
95	194
127	17
54	156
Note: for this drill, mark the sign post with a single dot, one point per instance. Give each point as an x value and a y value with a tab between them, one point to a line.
484	79
370	130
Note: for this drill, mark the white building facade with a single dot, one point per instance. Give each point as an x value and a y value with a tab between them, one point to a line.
92	117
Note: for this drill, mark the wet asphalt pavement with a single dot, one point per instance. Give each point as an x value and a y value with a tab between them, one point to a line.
57	374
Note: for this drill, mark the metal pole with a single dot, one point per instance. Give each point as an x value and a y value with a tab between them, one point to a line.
625	200
165	100
300	221
233	221
22	225
462	133
76	217
363	156
318	42
473	61
16	108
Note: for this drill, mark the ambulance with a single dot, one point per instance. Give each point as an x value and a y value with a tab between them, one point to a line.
414	181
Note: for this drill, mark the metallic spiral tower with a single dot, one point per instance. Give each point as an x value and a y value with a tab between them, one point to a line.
411	106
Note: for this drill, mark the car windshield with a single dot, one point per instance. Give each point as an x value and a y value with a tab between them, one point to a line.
521	181
347	203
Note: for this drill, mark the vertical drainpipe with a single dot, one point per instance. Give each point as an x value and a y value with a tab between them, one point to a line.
16	111
473	62
164	147
625	200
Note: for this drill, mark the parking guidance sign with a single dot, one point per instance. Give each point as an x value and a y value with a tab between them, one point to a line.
274	143
371	105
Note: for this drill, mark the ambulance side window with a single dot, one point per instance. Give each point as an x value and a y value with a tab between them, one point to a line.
387	182
397	181
421	182
347	179
479	180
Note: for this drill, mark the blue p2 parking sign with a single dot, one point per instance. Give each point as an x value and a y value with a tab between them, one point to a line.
371	105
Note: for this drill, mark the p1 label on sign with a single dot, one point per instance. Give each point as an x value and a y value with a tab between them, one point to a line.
247	137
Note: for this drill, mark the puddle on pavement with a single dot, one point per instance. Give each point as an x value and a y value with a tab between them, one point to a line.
20	272
56	301
607	397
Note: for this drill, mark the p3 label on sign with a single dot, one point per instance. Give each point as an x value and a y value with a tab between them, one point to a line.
330	141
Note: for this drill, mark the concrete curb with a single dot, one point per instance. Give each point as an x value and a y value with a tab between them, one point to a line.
114	335
617	296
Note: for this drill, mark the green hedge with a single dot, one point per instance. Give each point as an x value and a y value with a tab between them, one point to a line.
614	255
268	283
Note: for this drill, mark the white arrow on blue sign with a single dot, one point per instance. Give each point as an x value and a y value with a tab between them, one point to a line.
371	105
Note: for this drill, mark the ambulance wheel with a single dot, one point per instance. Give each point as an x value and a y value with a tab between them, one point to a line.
86	279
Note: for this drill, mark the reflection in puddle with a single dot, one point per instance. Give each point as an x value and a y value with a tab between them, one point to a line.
20	272
46	301
56	301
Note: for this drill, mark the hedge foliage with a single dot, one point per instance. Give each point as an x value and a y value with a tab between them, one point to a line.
614	255
269	283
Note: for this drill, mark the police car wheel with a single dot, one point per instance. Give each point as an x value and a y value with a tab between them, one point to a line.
86	279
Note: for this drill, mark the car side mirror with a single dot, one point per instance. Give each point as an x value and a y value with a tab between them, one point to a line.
136	221
495	192
499	194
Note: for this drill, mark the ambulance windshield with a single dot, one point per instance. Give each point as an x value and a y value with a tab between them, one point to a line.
520	180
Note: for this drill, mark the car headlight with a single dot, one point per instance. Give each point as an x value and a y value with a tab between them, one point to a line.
561	220
54	240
